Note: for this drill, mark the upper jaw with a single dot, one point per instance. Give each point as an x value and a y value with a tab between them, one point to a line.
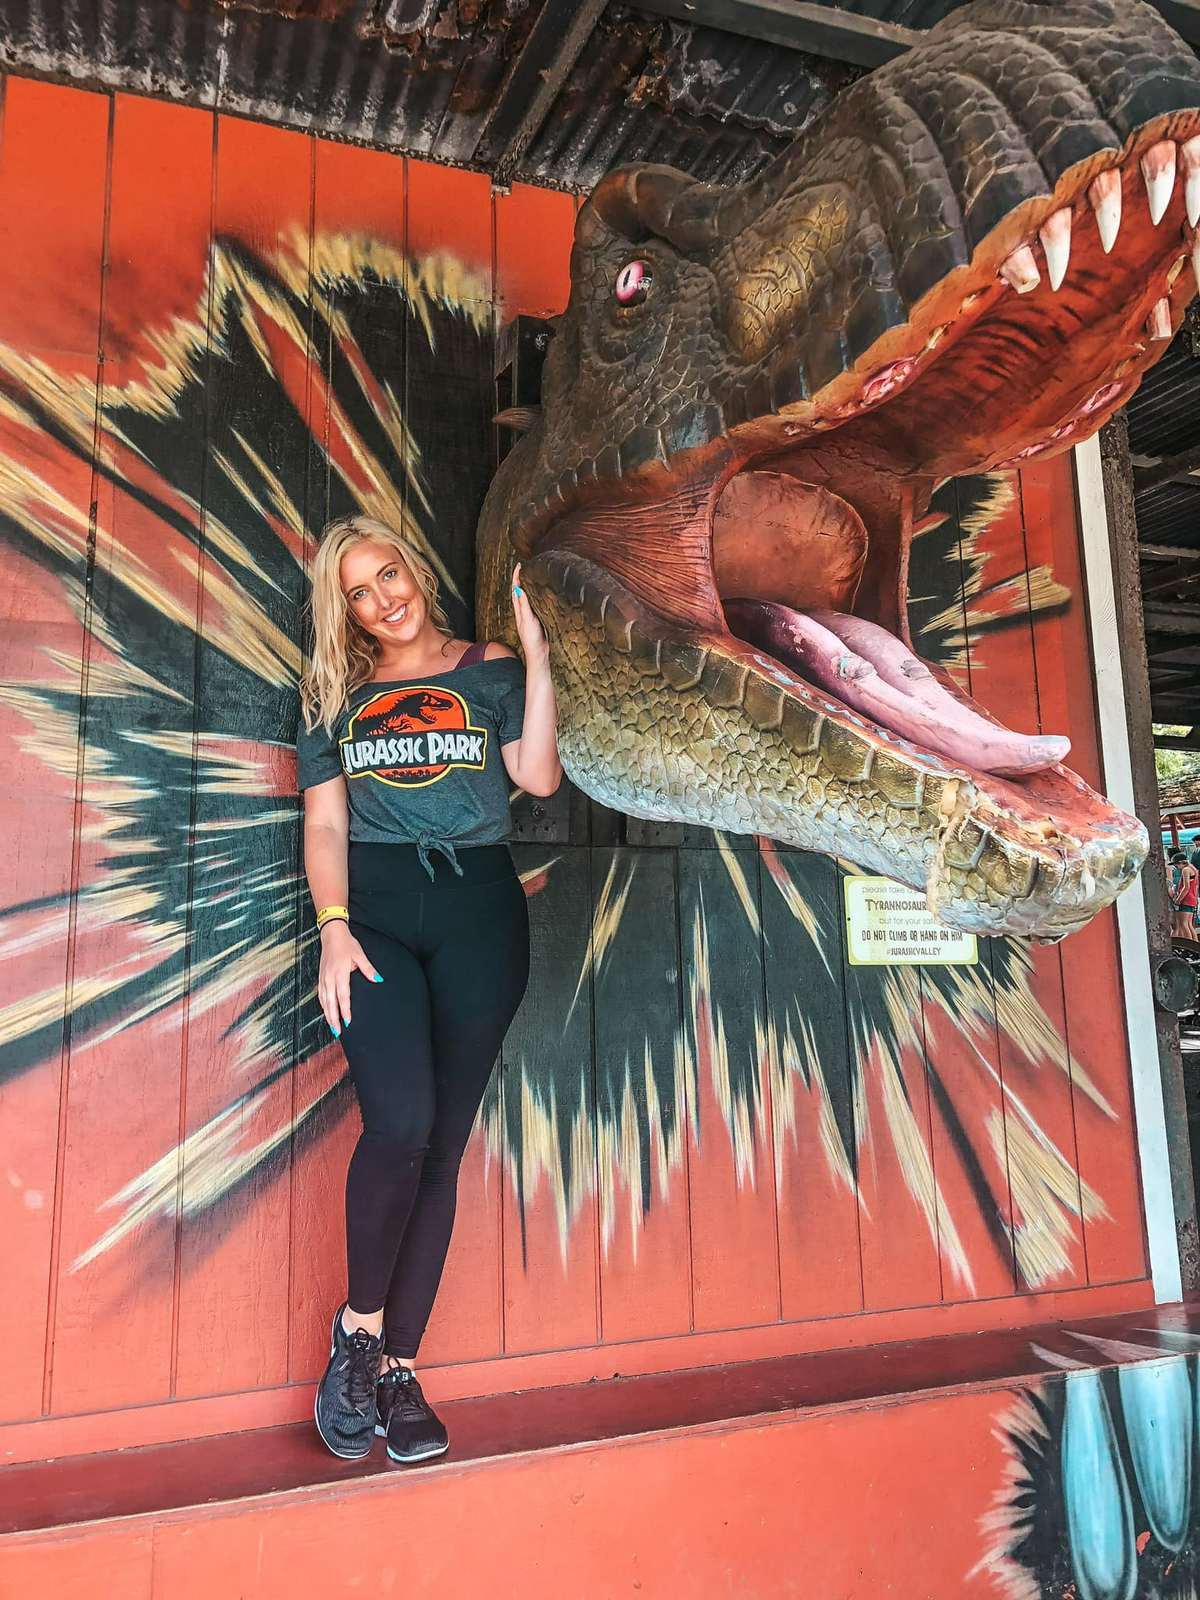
1020	352
1055	222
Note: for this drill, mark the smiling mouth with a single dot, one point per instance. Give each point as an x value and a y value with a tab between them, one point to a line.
396	616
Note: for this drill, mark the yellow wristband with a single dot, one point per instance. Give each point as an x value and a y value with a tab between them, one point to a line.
332	914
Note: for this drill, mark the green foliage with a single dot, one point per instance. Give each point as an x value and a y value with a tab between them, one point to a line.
1173	764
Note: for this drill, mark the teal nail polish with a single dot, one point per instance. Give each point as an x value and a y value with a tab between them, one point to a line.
376	979
337	1033
518	590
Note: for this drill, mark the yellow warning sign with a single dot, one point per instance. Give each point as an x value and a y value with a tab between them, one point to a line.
889	925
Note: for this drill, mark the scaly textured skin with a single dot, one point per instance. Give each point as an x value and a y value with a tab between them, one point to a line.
843	321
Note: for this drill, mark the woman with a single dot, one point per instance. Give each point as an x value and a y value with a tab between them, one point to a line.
1184	894
409	741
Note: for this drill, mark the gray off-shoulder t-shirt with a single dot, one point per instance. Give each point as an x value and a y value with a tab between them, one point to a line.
421	757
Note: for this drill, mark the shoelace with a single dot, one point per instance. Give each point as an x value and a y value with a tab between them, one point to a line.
361	1379
408	1398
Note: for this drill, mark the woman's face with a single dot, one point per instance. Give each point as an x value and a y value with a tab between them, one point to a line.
382	594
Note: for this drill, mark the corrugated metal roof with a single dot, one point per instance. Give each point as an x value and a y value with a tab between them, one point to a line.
1163	417
423	76
717	106
1164	423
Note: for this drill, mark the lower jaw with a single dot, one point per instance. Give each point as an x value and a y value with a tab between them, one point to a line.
767	754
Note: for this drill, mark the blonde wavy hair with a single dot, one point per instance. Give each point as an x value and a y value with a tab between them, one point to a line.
344	652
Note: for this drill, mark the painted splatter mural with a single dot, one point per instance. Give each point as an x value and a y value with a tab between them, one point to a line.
705	1117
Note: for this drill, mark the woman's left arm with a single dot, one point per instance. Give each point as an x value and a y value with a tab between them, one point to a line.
532	760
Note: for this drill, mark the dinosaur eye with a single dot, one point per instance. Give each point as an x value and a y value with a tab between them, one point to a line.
634	282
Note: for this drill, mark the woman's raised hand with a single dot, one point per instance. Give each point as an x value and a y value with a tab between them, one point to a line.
529	629
341	953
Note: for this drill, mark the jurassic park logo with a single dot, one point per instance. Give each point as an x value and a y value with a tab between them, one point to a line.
410	737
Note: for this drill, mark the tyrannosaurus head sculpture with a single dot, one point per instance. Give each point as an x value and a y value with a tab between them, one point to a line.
969	261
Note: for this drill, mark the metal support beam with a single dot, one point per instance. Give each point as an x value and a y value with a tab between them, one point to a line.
828	30
819	30
1178	741
554	45
1169	652
1160	552
1176	702
1166	578
1167	471
1173	619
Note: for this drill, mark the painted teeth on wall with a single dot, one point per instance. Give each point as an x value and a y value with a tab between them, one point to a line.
1096	1495
1099	1500
1156	1397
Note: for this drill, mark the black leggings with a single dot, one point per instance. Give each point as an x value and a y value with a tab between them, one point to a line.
454	957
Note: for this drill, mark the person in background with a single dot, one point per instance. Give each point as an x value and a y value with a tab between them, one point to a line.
1184	893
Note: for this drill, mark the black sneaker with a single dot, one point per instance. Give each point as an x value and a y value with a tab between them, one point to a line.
345	1409
413	1428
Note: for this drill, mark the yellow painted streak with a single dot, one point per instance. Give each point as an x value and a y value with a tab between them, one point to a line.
115	679
606	922
916	1164
196	1173
1046	1195
1021	1017
535	872
46	1008
285	507
223	772
736	1111
241	629
1008	1523
1000	494
836	1154
737	877
794	900
539	1155
238	824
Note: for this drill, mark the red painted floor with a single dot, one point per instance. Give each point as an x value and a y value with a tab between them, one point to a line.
236	1466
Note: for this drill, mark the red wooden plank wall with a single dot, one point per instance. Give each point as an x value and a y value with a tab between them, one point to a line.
708	1129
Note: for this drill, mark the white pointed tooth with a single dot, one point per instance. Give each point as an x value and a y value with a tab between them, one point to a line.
1055	234
1104	192
1158	173
1158	323
1021	270
1190	154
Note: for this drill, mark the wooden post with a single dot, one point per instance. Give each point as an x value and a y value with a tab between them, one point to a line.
1122	525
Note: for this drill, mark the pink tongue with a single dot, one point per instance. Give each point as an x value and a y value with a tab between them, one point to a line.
866	668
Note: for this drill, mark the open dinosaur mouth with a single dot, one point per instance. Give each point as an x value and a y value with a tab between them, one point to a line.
966	265
784	546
